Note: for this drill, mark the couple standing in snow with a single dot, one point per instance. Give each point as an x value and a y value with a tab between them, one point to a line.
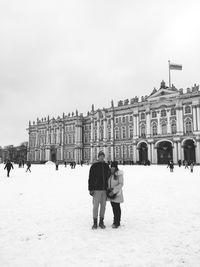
105	184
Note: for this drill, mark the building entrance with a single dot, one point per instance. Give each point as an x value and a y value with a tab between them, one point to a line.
53	154
189	151
143	155
164	151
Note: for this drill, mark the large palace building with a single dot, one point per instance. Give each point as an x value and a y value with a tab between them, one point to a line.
162	126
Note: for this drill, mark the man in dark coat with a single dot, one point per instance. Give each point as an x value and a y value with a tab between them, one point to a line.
28	166
97	186
8	166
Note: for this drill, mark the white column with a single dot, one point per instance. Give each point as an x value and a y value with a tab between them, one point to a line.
112	152
152	154
194	118
179	151
197	152
138	128
175	160
91	141
134	126
155	155
112	128
36	141
198	118
181	120
134	153
137	154
149	152
168	122
148	123
104	130
159	129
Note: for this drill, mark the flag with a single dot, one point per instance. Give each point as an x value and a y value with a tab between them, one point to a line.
173	66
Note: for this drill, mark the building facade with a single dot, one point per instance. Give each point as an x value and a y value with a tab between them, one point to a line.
162	126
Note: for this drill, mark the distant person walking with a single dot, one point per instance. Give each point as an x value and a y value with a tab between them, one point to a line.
28	166
179	162
97	186
65	163
186	164
171	165
191	167
114	192
57	164
8	166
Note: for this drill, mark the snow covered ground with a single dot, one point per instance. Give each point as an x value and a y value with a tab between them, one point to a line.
46	219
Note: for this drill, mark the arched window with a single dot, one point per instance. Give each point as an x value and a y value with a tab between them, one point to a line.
117	133
173	111
188	127
154	114
173	127
143	116
163	113
187	109
154	129
130	131
143	130
164	128
101	134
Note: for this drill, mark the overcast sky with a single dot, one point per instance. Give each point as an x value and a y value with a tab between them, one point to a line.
58	56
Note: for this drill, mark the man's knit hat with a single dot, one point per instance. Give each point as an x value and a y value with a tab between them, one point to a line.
101	153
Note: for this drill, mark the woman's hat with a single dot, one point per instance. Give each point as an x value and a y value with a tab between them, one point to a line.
114	164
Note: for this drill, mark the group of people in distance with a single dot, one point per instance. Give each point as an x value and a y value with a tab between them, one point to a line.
105	184
185	163
9	166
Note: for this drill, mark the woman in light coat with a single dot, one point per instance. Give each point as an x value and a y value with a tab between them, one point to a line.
115	184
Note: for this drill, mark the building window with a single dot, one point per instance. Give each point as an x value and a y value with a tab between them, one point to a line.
154	129
116	120
109	133
123	119
130	131
95	135
173	111
154	114
173	127
117	133
143	130
164	128
143	116
130	118
187	109
124	132
101	134
188	127
117	152
109	121
131	151
86	138
163	113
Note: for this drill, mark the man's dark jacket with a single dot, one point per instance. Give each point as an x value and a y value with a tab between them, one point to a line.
98	176
8	166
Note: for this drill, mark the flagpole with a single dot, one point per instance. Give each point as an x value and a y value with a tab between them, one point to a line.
169	75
